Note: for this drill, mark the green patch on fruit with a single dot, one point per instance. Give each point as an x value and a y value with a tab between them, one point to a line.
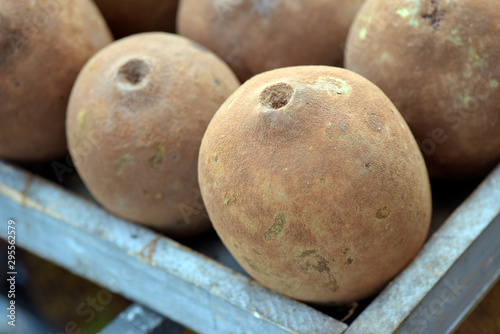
473	54
312	259
81	116
333	86
362	33
342	136
403	12
329	134
322	180
494	83
276	228
383	213
156	159
454	39
121	162
256	266
412	14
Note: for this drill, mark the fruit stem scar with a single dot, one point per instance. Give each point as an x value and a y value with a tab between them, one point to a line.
276	96
133	71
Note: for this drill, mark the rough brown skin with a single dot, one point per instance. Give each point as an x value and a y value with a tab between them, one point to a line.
43	46
127	17
136	117
324	199
439	62
257	36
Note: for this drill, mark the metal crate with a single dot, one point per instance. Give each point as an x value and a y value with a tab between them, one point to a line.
458	264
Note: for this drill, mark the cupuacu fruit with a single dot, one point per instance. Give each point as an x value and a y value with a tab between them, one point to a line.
136	117
315	184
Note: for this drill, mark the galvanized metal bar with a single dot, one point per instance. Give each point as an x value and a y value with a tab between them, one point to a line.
143	266
400	298
137	319
460	289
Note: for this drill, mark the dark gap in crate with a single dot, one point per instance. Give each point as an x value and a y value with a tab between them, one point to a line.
59	299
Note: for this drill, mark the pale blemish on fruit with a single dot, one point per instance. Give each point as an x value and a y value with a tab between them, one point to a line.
454	38
121	162
473	54
227	198
386	57
276	228
382	213
333	86
403	12
328	133
387	226
362	33
494	83
256	265
159	195
344	135
156	159
410	13
81	116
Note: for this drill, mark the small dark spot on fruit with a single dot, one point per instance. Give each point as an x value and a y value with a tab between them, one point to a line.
348	261
368	165
276	96
15	82
216	159
173	155
216	81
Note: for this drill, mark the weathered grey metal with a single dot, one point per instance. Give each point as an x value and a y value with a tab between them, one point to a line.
137	319
143	266
460	289
449	242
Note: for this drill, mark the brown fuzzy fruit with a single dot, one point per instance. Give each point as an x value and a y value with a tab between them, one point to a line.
315	184
43	46
261	35
439	62
136	117
127	17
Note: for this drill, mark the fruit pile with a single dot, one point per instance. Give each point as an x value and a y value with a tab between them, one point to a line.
314	176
